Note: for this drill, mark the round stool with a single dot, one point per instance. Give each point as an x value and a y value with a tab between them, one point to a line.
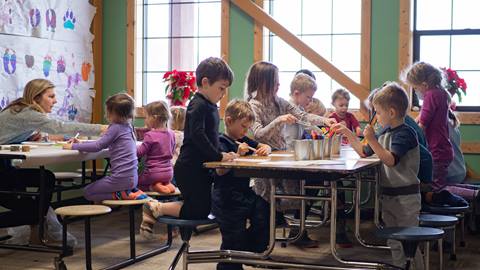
410	237
441	222
84	211
187	227
458	211
64	177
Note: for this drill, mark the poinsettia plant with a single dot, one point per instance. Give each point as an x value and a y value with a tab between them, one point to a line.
180	86
455	84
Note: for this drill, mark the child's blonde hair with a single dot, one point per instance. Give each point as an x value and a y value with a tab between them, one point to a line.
302	82
340	93
262	79
121	105
159	111
178	117
316	106
392	95
239	109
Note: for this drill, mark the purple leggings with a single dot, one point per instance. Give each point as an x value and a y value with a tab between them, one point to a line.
440	171
102	189
466	191
145	180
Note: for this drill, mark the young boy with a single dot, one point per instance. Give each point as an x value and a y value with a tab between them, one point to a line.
200	145
340	101
398	149
233	200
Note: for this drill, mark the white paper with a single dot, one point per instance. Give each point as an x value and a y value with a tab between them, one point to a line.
253	160
281	155
304	162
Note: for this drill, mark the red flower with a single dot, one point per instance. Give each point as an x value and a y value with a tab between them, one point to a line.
180	86
455	84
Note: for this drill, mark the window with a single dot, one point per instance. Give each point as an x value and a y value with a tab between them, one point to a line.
172	34
331	27
449	37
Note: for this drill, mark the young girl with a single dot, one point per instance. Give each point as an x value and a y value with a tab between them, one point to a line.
340	101
177	124
157	147
272	113
428	82
121	143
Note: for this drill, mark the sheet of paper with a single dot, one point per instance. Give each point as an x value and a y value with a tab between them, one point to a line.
281	155
253	160
304	162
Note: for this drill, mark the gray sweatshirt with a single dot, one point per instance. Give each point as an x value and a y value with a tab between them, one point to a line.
18	127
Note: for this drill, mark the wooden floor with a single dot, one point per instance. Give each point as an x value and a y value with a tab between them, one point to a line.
110	245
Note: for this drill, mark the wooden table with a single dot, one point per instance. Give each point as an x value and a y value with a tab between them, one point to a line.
281	165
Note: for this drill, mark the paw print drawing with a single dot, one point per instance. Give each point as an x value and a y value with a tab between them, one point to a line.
86	67
61	65
69	20
47	64
51	18
9	61
29	60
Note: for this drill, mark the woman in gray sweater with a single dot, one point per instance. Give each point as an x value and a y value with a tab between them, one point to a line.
20	121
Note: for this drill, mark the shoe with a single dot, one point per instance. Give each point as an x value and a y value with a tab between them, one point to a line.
304	241
343	241
20	235
446	197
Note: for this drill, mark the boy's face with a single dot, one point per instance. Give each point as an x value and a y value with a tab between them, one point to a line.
237	129
214	92
302	99
341	106
385	116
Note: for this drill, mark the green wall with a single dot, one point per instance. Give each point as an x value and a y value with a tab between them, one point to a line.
384	58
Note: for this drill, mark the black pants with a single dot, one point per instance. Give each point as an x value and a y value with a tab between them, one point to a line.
23	210
232	209
196	188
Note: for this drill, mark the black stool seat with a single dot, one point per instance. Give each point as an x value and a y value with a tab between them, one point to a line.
448	210
437	221
184	222
416	234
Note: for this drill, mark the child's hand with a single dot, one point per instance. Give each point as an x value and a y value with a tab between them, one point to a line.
341	129
243	149
73	140
288	119
67	146
35	137
369	133
229	156
329	122
264	150
103	129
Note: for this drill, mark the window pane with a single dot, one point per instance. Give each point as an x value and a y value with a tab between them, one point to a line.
472	78
183	53
157	1
434	14
138	88
208	47
464	54
285	79
354	101
157	54
324	88
184	20
158	17
346	52
317	17
288	14
465	14
284	56
346	16
155	87
321	45
209	25
435	50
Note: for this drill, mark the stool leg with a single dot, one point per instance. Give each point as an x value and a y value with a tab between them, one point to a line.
427	255
453	254
131	214
88	248
185	256
462	231
440	253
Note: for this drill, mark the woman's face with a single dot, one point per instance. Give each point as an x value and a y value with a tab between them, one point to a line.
47	100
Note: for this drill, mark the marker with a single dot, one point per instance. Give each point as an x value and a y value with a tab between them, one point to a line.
251	148
76	135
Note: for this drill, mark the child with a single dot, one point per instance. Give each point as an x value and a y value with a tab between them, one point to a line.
340	101
121	143
302	89
157	147
233	201
316	107
397	147
272	114
428	82
200	145
177	124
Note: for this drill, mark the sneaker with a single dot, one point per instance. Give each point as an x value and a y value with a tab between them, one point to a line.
304	241
343	241
446	197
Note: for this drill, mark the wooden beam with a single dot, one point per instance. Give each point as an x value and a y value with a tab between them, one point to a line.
263	18
96	29
365	47
130	68
225	47
470	147
405	41
466	118
258	37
